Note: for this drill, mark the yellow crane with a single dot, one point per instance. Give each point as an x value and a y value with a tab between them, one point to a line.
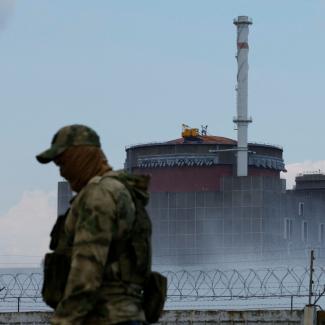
189	132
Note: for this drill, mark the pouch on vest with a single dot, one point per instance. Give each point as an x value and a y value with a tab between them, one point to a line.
154	296
56	267
56	270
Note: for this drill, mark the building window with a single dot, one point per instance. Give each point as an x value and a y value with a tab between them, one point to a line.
321	235
301	209
288	227
304	231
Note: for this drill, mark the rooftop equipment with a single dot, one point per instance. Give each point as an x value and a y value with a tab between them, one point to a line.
189	132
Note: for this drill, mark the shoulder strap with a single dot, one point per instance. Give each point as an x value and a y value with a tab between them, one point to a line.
139	242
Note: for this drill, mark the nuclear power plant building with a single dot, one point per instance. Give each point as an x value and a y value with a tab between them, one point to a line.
203	212
215	199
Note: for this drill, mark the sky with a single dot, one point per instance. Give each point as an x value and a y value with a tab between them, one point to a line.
135	71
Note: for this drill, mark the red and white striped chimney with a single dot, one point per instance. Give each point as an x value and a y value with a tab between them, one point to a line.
242	120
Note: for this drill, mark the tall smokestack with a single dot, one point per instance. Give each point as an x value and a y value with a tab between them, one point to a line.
242	120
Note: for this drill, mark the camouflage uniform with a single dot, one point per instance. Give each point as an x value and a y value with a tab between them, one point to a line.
102	213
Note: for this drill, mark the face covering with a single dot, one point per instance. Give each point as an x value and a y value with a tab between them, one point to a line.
81	163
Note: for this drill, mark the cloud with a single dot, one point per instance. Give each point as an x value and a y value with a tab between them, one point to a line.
7	8
304	167
25	228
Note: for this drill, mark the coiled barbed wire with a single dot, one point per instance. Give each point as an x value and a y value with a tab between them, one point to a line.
204	285
20	285
216	284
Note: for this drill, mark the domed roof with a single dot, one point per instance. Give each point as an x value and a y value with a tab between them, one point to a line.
208	139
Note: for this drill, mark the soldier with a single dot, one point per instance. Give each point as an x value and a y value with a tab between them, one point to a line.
102	253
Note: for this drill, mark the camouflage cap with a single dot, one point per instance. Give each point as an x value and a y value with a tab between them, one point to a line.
71	135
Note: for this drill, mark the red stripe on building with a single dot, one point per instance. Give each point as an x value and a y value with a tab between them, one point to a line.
194	179
243	45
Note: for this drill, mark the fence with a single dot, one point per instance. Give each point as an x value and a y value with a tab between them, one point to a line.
249	288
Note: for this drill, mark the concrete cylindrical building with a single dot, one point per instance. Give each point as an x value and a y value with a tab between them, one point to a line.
199	207
198	163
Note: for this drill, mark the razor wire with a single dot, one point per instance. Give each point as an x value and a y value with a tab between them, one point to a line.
249	283
197	285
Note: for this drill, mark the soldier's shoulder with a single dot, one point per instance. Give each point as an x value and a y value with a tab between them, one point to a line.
108	184
113	182
100	182
98	192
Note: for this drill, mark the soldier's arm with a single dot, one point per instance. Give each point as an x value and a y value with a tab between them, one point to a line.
94	231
